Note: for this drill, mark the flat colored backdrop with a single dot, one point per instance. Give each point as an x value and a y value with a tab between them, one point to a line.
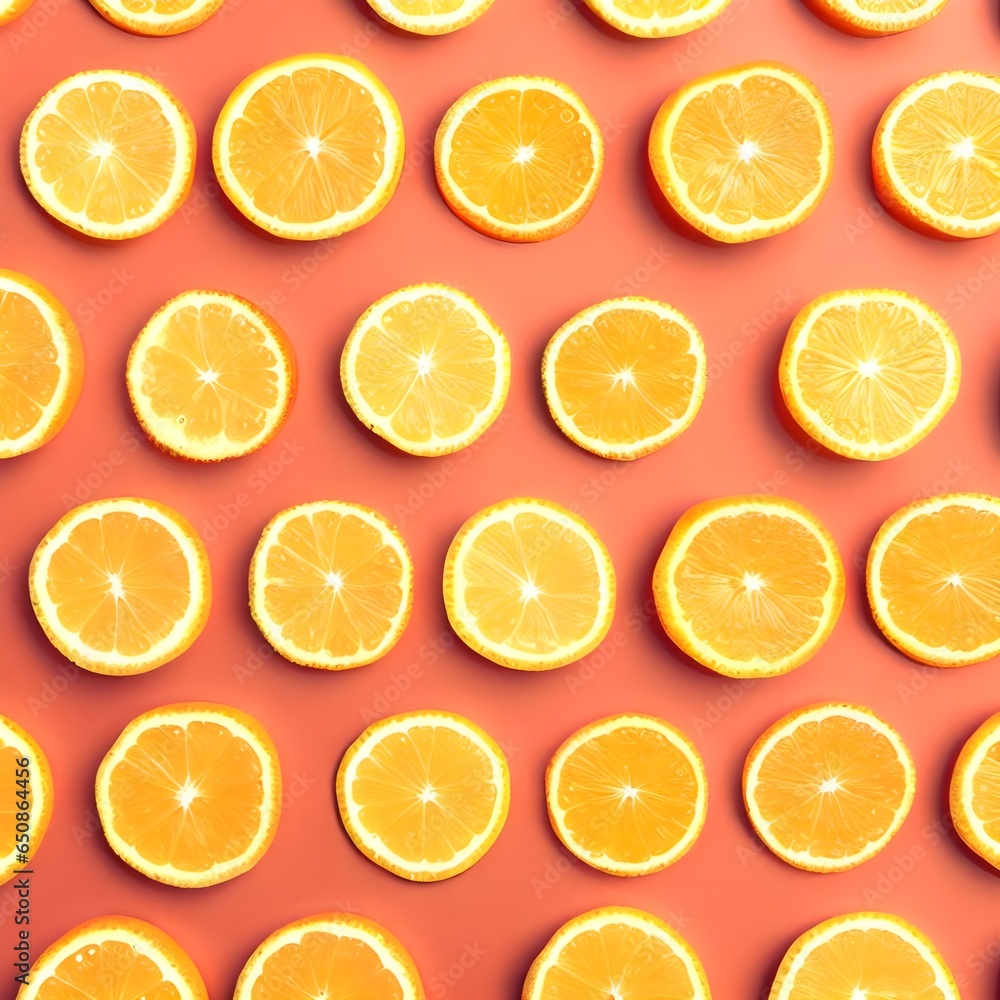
474	936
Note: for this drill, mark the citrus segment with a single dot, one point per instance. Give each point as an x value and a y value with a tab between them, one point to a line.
657	18
156	17
877	17
430	17
975	791
26	803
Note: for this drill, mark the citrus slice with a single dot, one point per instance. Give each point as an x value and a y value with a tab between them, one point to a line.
9	9
529	585
975	791
424	794
749	586
309	147
26	806
827	787
211	376
121	586
426	369
519	158
41	364
112	957
743	153
190	794
934	579
863	954
616	951
877	17
430	17
109	153
869	373
657	18
624	377
331	584
936	155
627	794
156	17
332	955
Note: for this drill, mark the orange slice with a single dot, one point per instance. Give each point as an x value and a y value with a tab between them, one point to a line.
743	153
426	369
749	586
121	586
331	584
430	17
877	17
156	17
190	794
211	376
934	579
9	9
519	158
975	791
332	955
529	585
113	957
424	794
41	364
627	794
309	147
616	951
936	155
869	373
109	153
624	377
26	806
827	787
863	954
657	18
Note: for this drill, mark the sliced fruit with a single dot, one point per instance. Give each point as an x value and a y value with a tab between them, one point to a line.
749	586
331	955
211	376
625	377
109	153
9	9
112	957
934	579
863	955
424	794
975	791
627	794
743	153
41	364
426	369
430	17
529	585
309	147
657	18
877	17
26	803
331	584
519	158
616	951
121	586
156	17
827	787
190	794
936	155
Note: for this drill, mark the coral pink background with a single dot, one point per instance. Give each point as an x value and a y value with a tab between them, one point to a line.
475	935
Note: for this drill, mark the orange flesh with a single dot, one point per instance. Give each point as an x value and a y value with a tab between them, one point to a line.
165	8
423	8
128	182
111	969
392	783
509	125
986	792
917	568
656	355
785	131
29	369
658	8
218	774
137	553
270	158
889	6
313	552
600	818
871	786
776	553
8	799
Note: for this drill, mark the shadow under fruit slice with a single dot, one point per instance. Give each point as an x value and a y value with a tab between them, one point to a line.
26	796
